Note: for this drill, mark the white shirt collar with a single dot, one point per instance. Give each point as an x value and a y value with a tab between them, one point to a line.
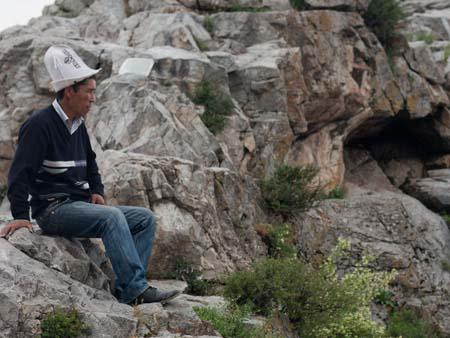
72	126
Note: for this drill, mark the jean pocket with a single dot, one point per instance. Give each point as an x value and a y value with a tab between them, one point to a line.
46	219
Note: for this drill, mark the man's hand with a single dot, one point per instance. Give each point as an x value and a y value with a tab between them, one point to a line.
9	228
97	199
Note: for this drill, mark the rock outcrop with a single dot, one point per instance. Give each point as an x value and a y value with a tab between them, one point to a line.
311	87
39	274
399	233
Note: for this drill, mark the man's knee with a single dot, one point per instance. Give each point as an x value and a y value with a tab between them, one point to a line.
113	218
147	215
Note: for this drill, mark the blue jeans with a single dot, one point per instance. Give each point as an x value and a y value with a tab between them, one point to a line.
126	232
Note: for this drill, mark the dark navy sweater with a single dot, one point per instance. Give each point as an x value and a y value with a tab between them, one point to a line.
50	163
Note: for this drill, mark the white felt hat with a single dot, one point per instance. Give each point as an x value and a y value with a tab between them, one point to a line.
65	67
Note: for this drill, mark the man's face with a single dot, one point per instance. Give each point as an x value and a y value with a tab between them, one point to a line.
82	99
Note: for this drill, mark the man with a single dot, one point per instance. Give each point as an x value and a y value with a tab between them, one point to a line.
54	162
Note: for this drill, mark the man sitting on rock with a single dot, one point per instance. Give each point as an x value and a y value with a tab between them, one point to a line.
55	163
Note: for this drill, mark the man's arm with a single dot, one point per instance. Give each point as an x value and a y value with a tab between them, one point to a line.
93	176
9	228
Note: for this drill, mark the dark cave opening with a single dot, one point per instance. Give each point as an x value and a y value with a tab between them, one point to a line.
400	153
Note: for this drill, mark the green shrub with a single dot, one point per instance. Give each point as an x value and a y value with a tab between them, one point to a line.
407	324
382	17
386	298
214	122
291	189
426	37
279	240
298	4
316	301
336	193
208	24
185	271
63	324
230	321
217	106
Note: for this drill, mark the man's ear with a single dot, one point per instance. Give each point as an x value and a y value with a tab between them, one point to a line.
68	92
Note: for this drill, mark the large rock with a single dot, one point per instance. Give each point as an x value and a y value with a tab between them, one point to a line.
420	6
399	233
420	60
55	26
205	215
155	6
30	289
432	22
339	82
349	5
67	8
236	5
359	166
323	150
177	318
66	256
265	77
272	138
6	147
186	69
39	274
235	31
103	20
180	30
433	191
157	123
400	171
184	320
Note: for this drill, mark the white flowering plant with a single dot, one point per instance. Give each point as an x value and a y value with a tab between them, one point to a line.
316	300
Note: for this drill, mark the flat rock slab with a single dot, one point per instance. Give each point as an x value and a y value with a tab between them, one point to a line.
433	191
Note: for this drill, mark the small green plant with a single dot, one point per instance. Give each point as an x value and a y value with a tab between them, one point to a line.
185	271
201	44
382	17
63	324
298	4
446	52
407	323
445	265
291	189
391	61
426	37
217	106
386	298
279	240
317	302
336	193
208	24
446	217
230	321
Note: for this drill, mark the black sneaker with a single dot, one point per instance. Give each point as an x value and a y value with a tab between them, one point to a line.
153	295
